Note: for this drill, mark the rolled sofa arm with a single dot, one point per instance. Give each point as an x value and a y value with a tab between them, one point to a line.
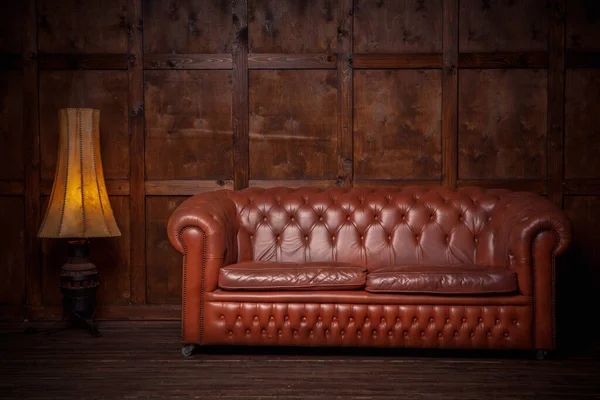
526	233
204	229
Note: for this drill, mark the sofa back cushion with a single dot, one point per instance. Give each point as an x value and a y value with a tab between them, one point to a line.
373	227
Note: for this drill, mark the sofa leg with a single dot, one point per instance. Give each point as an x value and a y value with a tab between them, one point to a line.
542	354
188	349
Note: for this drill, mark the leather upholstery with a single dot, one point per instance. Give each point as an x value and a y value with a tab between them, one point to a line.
288	276
442	279
327	324
374	228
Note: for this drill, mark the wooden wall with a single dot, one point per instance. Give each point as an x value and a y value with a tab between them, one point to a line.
197	95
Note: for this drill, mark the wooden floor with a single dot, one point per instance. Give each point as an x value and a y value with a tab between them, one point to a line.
135	360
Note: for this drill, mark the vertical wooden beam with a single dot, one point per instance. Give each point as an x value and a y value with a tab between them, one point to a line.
31	131
239	104
137	164
344	78
556	102
450	93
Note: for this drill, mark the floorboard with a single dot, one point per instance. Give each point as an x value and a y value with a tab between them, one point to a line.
141	360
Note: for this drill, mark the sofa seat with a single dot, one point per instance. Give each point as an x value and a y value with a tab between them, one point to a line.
442	279
277	276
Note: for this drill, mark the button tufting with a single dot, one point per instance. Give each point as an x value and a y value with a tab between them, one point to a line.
251	236
295	333
505	334
460	218
321	218
375	217
431	217
319	318
230	333
222	316
264	218
405	333
334	318
342	332
278	237
280	332
303	319
239	318
350	319
383	320
418	237
403	217
333	237
514	321
256	318
480	320
431	319
247	331
455	333
272	318
497	322
347	218
415	320
447	320
489	334
447	238
292	218
439	334
389	237
390	333
472	334
305	237
286	318
327	331
464	320
398	319
422	334
366	320
264	332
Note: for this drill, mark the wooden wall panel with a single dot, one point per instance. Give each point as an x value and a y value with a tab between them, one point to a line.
75	26
111	256
290	26
397	124
163	262
104	90
11	125
398	26
293	124
188	125
11	21
582	147
503	25
187	26
502	124
12	251
583	25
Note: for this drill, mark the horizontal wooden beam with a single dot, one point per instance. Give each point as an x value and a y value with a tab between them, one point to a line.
292	61
582	186
11	61
188	61
521	185
184	187
503	60
292	183
396	61
147	312
577	59
12	188
397	182
83	61
114	187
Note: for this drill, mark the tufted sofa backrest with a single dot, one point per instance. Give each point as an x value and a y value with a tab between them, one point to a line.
374	227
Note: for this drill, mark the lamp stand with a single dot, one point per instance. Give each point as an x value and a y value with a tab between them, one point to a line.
79	284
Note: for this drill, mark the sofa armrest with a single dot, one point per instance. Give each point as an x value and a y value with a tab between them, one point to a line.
204	229
514	235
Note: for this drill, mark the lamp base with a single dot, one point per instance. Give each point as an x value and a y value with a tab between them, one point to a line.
79	284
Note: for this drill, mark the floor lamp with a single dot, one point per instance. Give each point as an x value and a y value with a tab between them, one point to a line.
79	209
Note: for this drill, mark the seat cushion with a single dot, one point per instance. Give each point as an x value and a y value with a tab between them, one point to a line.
289	276
442	279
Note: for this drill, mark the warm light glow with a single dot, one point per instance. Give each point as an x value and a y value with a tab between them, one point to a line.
79	205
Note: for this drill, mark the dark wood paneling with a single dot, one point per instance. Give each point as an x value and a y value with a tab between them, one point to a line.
293	124
582	130
583	25
12	251
188	125
104	90
537	59
11	22
295	61
502	124
163	262
186	187
187	61
577	59
450	94
503	25
397	124
392	61
239	97
520	185
75	26
398	26
135	96
556	102
582	186
187	26
11	125
10	61
111	256
12	188
345	90
83	61
31	143
292	183
291	26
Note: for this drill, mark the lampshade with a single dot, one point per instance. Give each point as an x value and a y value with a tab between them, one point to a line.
79	205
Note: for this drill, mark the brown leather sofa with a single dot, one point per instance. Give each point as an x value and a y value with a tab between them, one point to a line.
385	267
